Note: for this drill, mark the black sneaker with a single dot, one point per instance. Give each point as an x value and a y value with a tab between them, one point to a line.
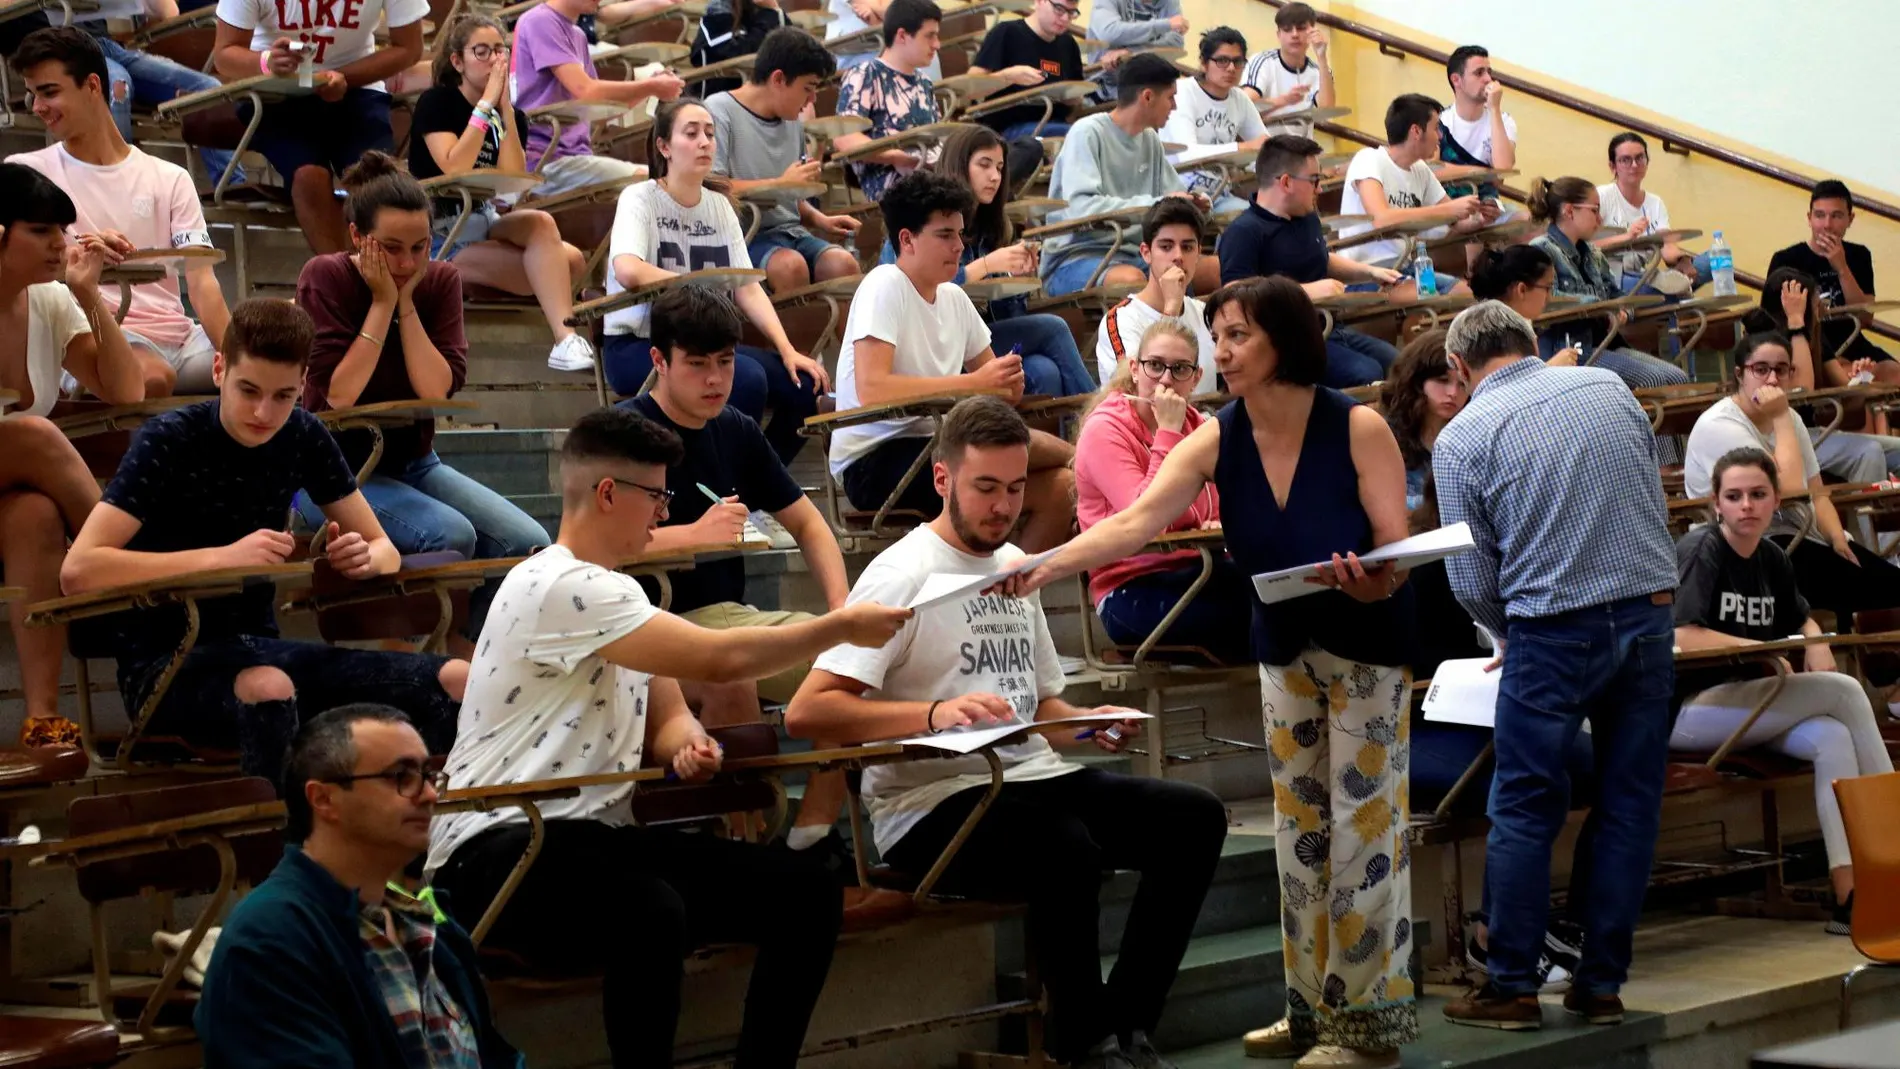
1842	923
1563	943
1552	978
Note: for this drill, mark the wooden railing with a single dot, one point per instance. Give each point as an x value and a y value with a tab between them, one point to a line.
1673	141
1749	279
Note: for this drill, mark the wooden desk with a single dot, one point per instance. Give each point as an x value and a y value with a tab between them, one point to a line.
204	18
1116	219
996	288
1022	209
736	67
97	417
474	186
723	278
1048	94
374	417
257	90
931	134
833	127
1404	229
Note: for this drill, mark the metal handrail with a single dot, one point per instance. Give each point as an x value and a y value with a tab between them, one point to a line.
1673	141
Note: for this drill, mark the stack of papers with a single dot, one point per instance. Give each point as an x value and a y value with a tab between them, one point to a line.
1289	583
968	740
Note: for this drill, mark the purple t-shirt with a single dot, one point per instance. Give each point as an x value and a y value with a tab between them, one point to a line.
544	40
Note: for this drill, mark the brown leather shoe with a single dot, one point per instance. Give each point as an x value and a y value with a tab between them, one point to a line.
1596	1009
1487	1007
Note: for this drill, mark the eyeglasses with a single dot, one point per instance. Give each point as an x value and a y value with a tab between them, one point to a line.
1226	61
407	777
1632	161
660	494
1596	208
1316	179
1178	372
487	52
1551	286
1762	370
1064	10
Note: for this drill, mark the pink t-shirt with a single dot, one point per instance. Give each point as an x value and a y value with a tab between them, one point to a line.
1116	457
153	204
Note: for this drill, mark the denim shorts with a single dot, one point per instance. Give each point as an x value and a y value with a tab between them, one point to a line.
480	218
309	131
796	238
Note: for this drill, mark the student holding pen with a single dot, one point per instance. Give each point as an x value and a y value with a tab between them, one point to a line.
728	471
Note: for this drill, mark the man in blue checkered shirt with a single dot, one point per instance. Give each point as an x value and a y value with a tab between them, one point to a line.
1556	472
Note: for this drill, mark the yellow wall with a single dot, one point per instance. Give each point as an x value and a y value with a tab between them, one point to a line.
1757	215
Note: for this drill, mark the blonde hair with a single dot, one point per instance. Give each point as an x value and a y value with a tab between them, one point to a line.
1123	380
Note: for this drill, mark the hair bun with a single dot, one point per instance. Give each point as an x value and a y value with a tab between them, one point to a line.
374	164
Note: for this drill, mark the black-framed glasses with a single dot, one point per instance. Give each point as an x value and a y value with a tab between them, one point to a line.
487	52
1316	179
1159	368
1227	61
1632	161
1064	9
406	776
660	494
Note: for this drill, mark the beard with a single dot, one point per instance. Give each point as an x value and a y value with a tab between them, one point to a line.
969	534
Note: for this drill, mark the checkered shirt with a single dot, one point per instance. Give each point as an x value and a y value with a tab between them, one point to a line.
432	1029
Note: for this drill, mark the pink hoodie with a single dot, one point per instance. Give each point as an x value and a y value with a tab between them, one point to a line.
1115	460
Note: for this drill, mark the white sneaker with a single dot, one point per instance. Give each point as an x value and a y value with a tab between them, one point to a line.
572	353
1672	282
767	525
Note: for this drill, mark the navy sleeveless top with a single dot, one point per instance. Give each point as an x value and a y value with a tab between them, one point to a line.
1322	516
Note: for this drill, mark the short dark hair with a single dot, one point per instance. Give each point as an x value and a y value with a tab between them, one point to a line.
1406	111
1279	307
324	749
269	329
696	320
981	423
1143	70
1625	138
71	46
1460	57
909	16
1212	40
911	200
27	196
1747	456
1171	211
621	434
794	53
377	181
1282	154
1294	15
1831	189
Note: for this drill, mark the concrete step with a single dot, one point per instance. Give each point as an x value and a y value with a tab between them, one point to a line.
1245	893
1563	1043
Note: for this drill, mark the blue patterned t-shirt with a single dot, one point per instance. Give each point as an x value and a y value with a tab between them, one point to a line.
894	102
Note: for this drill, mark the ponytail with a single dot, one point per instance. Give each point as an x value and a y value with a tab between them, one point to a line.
1548	198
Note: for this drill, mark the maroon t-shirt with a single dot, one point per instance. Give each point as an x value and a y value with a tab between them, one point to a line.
338	300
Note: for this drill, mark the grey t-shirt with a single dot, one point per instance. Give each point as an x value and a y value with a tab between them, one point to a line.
749	148
1102	169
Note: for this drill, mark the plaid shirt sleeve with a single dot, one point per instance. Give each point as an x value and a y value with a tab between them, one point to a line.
1474	575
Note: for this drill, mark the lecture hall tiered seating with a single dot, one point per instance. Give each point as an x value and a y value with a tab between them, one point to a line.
132	832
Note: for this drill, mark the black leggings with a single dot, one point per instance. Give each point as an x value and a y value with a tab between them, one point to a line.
1048	843
635	901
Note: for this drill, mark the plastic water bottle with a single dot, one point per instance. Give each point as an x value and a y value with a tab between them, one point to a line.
1722	266
1426	275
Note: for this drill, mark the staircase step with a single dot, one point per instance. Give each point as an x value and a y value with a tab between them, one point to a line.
1562	1044
1245	893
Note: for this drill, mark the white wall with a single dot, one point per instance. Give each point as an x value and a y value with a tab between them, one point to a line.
1814	82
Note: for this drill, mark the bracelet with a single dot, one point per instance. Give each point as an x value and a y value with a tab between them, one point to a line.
373	339
263	61
478	123
930	719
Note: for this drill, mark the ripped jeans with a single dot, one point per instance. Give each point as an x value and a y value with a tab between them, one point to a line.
151	79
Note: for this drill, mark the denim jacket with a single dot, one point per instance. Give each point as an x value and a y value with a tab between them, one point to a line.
1582	270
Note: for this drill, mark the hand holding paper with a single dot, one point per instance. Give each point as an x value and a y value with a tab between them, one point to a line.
1406	553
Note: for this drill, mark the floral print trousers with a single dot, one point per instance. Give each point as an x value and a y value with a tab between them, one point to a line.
1338	741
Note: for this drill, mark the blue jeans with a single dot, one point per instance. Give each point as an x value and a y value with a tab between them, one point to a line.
1073	273
1021	130
1355	359
1052	365
429	507
1612	664
759	382
153	80
1216	620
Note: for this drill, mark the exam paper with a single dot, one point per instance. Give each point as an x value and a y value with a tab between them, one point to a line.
1411	552
940	587
968	740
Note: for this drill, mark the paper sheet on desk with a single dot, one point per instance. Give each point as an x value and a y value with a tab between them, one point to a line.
1196	153
940	587
1411	552
968	740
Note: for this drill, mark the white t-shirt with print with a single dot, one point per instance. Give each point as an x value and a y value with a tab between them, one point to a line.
343	31
1619	214
1413	187
542	702
932	339
1199	119
1475	135
1129	320
651	226
1269	76
990	644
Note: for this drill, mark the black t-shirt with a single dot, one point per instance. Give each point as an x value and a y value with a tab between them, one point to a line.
445	110
1261	243
192	486
729	455
1014	44
1748	597
1827	283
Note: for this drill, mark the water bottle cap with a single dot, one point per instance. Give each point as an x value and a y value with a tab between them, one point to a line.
1718	235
